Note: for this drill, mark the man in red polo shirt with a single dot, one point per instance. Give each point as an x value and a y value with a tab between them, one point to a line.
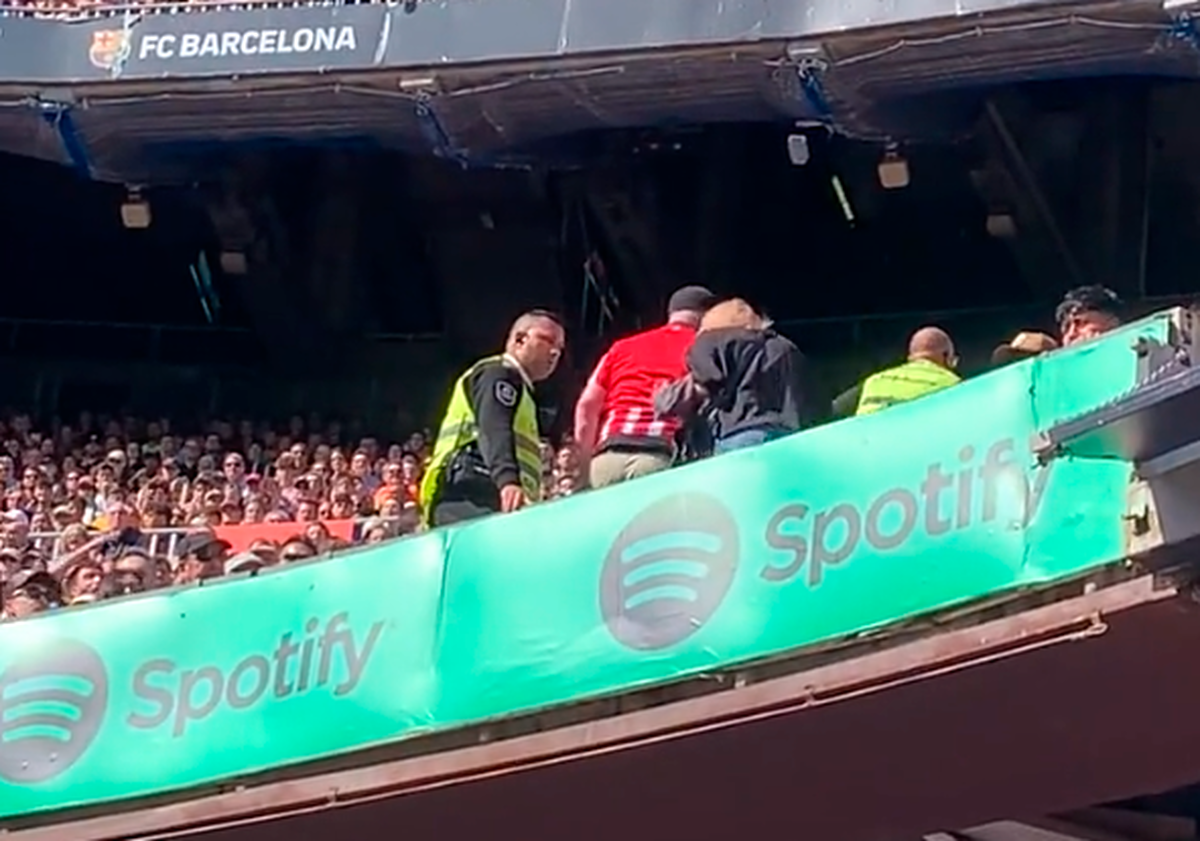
615	426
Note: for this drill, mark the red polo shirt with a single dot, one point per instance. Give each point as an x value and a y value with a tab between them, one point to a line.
630	373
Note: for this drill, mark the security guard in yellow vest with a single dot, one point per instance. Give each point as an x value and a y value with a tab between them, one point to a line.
930	367
487	456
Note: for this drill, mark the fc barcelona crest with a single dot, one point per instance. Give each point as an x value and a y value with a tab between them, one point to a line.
109	48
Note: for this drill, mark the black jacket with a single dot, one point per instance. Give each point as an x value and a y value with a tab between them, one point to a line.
755	379
682	400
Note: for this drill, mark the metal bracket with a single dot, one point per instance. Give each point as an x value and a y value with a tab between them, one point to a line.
1186	332
1170	461
58	116
435	132
809	71
1183	28
1156	360
1142	531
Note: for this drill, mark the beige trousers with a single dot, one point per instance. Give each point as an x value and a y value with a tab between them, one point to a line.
609	468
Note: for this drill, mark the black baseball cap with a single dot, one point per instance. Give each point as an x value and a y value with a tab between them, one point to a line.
1084	299
695	298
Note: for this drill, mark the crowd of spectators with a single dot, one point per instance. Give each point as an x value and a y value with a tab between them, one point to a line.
84	501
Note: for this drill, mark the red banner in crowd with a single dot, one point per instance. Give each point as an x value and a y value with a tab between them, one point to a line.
241	536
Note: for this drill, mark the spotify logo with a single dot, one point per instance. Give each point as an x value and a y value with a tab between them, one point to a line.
668	571
52	703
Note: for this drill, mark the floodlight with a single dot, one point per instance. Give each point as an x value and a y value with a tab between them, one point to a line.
135	210
893	170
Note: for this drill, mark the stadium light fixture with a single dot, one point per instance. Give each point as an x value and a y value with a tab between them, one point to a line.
417	83
798	151
234	262
893	169
57	97
135	210
1001	225
804	50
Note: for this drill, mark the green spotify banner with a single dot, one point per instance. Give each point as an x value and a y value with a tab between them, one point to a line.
164	691
821	535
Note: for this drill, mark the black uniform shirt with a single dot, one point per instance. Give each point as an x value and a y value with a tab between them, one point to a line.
494	391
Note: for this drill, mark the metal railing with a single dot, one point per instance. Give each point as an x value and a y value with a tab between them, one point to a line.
90	9
155	541
163	542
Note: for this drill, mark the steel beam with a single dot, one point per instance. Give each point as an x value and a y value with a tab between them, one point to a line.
1030	185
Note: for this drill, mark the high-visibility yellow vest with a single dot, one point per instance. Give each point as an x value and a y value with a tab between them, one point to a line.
459	429
903	383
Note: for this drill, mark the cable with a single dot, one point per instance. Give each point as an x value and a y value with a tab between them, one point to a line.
1000	29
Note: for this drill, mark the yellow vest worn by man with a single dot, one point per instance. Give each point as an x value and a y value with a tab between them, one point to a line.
459	430
903	383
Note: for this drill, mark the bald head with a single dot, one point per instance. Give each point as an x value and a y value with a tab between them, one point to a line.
531	321
536	341
933	344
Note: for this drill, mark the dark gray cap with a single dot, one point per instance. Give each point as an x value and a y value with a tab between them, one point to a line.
201	543
243	562
696	298
31	578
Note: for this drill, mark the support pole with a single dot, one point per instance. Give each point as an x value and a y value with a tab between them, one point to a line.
59	117
1029	182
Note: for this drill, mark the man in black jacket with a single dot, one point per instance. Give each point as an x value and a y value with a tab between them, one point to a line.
758	383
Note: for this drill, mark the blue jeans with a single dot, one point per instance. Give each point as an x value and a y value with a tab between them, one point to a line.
747	438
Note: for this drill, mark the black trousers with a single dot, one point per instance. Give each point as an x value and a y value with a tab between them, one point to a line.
467	495
450	511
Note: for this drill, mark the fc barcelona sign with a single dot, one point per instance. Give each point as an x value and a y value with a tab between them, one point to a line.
250	41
